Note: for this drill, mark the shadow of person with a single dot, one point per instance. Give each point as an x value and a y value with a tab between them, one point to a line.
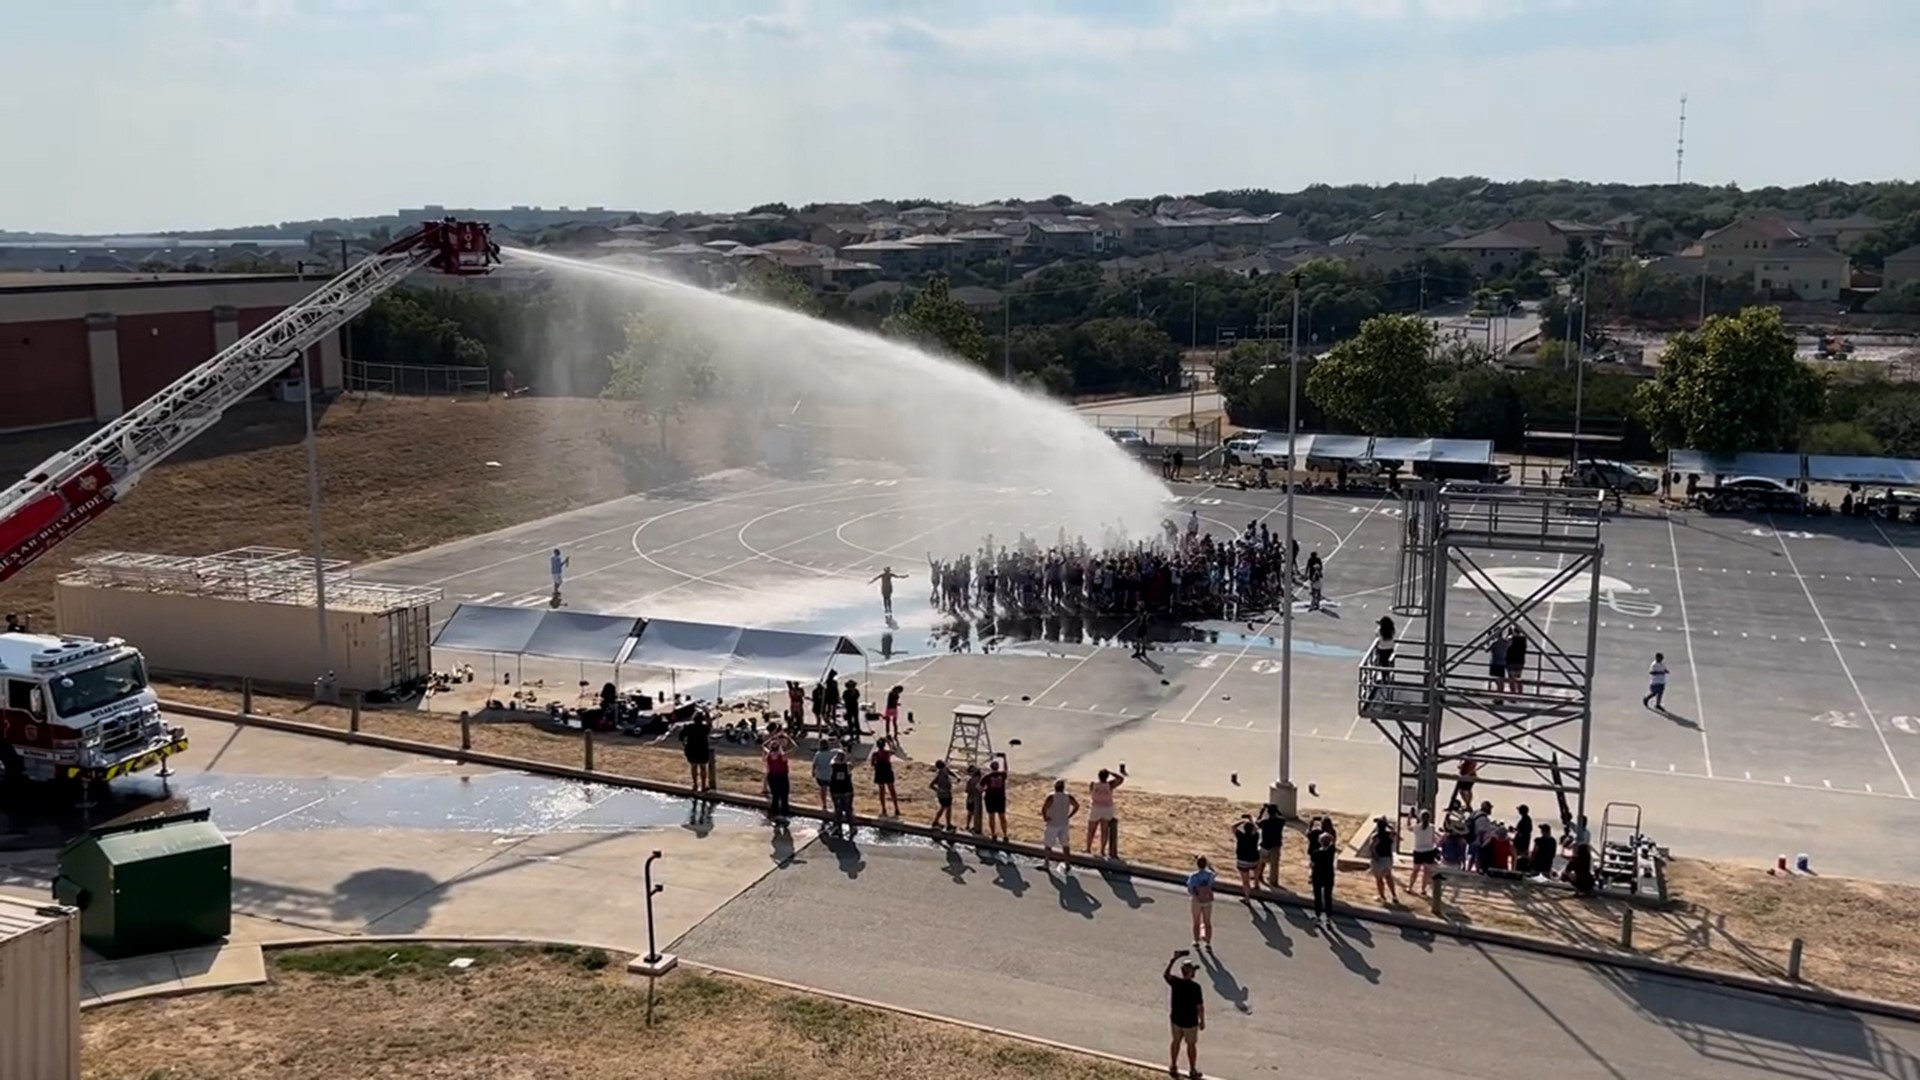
1006	874
1072	897
1224	984
1677	719
956	867
1275	935
1349	956
846	853
1123	890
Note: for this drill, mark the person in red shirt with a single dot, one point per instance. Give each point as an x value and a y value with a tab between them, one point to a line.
779	779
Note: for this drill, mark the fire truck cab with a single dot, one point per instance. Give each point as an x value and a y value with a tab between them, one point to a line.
76	709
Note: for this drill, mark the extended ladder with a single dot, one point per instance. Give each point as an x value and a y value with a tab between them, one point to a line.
72	488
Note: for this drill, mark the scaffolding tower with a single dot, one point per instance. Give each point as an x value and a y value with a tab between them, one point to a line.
259	575
1434	699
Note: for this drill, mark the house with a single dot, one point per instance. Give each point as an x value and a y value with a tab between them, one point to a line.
1060	236
1841	232
979	301
1806	270
941	251
924	217
1901	268
976	244
1735	250
893	257
838	234
1493	253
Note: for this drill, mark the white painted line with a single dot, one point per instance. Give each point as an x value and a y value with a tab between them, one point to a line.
1693	667
1844	666
1908	563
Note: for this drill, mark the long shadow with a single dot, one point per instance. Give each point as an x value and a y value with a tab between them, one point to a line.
1271	931
1123	890
956	866
1780	1038
846	853
1073	897
1006	873
1230	989
1349	956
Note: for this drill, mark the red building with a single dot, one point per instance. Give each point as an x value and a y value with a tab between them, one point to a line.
78	348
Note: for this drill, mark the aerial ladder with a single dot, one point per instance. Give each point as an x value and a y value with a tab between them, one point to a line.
72	488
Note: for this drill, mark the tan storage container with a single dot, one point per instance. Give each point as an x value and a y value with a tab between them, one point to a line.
39	991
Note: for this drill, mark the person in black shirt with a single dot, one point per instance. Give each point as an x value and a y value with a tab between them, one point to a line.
1273	831
1246	855
840	786
820	704
1523	838
833	696
850	708
696	739
1321	859
1186	1012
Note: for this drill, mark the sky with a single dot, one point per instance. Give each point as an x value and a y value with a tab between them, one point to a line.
133	115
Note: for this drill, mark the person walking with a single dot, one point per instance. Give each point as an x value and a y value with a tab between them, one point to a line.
1186	1013
1103	822
892	714
557	564
1656	684
1056	814
1316	573
1246	855
882	762
886	577
1273	832
1200	901
1321	859
942	786
1426	852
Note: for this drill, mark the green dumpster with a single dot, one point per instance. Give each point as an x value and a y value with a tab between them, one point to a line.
152	886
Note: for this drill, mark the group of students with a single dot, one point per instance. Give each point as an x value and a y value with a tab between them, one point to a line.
835	708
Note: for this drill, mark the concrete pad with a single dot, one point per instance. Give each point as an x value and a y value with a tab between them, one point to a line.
187	970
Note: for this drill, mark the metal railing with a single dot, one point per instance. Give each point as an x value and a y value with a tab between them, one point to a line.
426	380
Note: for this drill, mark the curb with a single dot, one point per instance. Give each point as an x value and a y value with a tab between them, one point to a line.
329	940
1803	994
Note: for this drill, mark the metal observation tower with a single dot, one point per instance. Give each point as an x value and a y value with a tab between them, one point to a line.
1459	586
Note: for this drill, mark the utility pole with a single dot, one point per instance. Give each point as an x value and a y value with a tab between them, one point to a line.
324	686
1284	795
1423	289
1703	290
1006	321
1580	360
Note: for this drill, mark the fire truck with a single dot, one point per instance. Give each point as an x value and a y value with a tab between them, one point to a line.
79	709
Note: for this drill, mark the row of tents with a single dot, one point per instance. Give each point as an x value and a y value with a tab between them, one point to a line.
1797	468
661	644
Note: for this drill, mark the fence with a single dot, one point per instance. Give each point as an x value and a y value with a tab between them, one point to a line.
1162	431
427	380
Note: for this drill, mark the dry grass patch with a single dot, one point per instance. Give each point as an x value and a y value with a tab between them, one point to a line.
1725	917
382	1010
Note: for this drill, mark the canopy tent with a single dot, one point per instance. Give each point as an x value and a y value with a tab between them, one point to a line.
547	634
1891	472
673	645
1398	449
1461	451
1336	447
1697	463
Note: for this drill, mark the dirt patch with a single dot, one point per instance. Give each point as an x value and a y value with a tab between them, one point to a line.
371	1011
1724	917
399	474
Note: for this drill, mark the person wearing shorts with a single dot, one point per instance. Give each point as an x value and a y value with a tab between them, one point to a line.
1273	832
942	786
1103	832
823	772
892	714
1246	855
1186	1014
975	787
1426	853
1200	901
993	790
1056	814
1497	661
696	741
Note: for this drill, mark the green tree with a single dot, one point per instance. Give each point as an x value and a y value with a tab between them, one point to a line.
939	323
1873	248
1130	353
1840	437
1383	382
664	367
780	287
1733	385
1904	300
1894	419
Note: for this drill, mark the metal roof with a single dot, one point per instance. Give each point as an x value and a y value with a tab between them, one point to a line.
253	574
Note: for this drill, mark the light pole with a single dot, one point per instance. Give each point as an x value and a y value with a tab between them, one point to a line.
324	688
1580	359
1006	321
1283	794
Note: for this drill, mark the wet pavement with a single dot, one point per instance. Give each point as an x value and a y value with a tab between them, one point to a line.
505	803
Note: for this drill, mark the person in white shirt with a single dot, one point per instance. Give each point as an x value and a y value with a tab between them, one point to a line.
1656	684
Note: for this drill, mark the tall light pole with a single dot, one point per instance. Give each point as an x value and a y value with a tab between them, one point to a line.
325	684
1283	794
1006	321
1580	358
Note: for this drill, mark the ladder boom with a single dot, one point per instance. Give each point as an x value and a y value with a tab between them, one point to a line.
72	488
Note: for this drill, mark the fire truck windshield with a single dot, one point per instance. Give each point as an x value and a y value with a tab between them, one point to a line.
80	692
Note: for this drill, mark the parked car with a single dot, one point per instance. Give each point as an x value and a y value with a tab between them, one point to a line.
1607	475
1743	494
1242	449
1127	438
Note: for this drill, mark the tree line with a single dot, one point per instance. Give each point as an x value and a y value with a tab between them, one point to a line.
1732	384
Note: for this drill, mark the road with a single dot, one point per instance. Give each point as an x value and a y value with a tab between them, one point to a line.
1077	959
1148	412
1504	331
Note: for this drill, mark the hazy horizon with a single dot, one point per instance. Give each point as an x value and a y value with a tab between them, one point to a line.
204	114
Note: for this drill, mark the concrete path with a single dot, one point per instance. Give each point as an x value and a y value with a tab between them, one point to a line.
1078	960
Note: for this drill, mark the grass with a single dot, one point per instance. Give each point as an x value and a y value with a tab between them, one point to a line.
354	1011
1724	917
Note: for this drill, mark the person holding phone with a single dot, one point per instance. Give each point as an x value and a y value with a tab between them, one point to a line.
1200	901
1186	1012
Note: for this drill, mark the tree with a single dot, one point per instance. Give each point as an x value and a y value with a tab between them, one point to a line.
779	287
1904	300
939	323
1383	382
1733	385
664	367
1130	353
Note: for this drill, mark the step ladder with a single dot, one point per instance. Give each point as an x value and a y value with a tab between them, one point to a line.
971	743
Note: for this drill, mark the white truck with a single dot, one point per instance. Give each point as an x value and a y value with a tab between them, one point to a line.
78	710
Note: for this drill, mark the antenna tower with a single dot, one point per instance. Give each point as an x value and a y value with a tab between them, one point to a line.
1680	147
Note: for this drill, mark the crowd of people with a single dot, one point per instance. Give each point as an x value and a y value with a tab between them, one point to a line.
1183	572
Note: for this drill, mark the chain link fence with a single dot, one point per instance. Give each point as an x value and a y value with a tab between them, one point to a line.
424	380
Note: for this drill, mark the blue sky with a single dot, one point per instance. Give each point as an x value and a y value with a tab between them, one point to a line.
141	114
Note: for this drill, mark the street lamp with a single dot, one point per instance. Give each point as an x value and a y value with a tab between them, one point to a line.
1283	794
